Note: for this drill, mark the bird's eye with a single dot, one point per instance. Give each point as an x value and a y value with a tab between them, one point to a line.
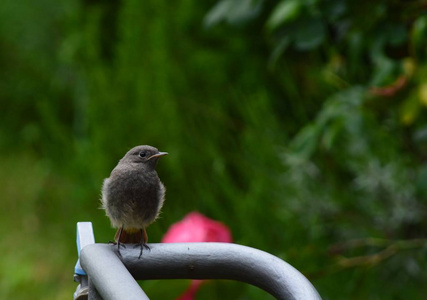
142	154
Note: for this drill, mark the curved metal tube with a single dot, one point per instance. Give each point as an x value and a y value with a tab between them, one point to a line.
193	261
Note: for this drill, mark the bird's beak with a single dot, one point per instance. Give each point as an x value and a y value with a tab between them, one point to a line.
157	155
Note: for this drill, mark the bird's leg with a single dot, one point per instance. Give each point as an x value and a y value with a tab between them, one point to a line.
118	241
143	242
144	234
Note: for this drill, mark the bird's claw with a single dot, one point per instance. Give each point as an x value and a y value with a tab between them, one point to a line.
142	245
115	243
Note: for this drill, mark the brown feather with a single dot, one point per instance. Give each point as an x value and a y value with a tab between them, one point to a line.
131	236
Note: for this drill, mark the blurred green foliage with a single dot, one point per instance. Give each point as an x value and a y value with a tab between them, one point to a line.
301	124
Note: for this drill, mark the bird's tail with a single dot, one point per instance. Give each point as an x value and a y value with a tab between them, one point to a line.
131	236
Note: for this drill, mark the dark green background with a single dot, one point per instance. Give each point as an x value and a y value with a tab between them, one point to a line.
301	124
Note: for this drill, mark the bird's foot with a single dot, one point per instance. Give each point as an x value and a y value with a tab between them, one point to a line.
115	243
142	245
118	246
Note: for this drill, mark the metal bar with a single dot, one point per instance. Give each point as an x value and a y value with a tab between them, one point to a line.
84	237
92	292
108	274
192	261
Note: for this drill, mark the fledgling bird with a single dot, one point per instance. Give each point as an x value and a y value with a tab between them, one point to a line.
133	195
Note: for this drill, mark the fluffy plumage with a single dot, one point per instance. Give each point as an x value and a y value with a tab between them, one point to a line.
133	194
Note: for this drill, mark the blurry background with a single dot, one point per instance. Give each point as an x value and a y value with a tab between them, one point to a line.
300	124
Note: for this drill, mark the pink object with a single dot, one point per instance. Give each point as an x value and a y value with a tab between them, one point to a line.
195	227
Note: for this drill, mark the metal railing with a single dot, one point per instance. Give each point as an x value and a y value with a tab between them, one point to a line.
114	277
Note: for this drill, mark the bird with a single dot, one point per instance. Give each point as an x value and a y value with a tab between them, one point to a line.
133	196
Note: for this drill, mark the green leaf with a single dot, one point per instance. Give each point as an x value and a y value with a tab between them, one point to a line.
233	12
310	34
218	13
331	134
384	71
305	142
286	11
278	50
419	33
410	109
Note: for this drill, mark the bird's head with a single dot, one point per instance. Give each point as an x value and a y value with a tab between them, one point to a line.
146	155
